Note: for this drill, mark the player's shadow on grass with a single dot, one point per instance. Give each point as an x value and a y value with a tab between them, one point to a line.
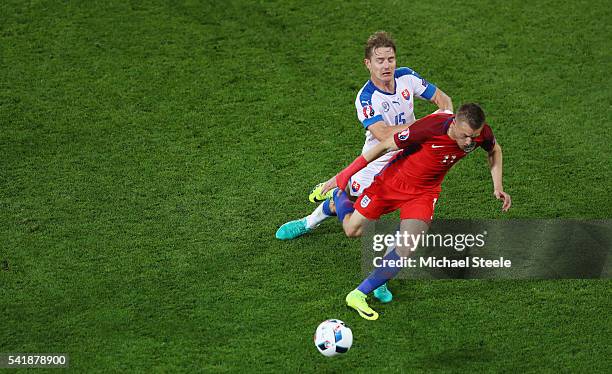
460	357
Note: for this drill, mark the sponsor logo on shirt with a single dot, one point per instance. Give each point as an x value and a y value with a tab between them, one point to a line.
403	135
368	111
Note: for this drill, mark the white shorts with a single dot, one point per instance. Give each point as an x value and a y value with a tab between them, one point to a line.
364	178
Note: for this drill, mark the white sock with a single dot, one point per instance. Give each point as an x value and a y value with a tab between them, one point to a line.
316	217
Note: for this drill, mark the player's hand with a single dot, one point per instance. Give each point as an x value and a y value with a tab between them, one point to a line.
329	185
501	195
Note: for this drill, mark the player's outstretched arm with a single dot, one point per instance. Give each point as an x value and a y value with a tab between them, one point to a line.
382	131
442	100
342	178
496	165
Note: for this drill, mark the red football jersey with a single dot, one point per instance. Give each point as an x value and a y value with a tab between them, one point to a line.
428	153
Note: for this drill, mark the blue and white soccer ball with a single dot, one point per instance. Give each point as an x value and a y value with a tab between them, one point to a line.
333	337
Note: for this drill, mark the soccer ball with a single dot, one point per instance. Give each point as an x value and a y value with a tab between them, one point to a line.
333	337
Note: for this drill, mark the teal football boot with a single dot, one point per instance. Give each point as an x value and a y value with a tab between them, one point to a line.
383	294
292	229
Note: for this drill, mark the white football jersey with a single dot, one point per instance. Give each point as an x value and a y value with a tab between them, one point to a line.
393	108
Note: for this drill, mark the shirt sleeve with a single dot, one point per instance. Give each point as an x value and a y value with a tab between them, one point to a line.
369	111
419	85
488	141
422	130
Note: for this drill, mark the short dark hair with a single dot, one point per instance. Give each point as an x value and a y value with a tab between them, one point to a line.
472	114
377	40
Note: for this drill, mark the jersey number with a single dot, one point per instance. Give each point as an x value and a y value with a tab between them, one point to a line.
399	119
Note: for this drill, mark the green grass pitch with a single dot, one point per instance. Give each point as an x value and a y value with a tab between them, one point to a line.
149	151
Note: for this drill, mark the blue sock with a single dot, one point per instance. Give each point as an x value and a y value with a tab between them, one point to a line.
344	206
380	275
326	208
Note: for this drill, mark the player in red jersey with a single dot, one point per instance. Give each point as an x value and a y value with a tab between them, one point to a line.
411	182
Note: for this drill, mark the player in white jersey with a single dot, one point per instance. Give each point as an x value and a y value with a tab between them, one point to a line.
385	105
385	112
